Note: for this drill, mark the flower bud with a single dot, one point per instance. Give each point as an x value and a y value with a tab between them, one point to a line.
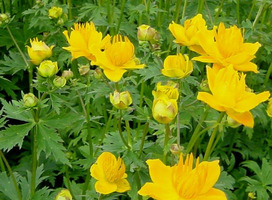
269	108
232	123
251	195
38	51
120	100
204	85
64	195
48	68
54	12
4	17
59	81
67	74
84	69
147	33
176	149
98	73
30	100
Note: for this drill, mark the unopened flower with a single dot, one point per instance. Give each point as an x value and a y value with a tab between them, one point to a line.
59	81
269	108
117	57
187	35
55	12
48	68
147	33
120	100
98	73
30	100
170	90
110	174
38	51
226	46
84	40
182	181
64	195
4	18
232	123
67	74
84	69
229	95
175	66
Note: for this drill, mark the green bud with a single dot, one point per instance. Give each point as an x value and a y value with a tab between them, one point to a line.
59	81
48	68
84	69
98	73
176	149
232	123
204	85
30	100
67	74
147	33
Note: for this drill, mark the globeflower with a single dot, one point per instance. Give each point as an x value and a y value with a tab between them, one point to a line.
230	95
110	174
175	66
226	47
117	57
182	181
55	12
64	195
120	100
38	51
48	68
187	35
84	41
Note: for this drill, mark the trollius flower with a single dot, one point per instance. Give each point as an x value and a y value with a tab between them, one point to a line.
117	57
182	181
229	94
110	174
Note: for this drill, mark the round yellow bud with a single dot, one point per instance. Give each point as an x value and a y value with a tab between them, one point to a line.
59	81
251	195
55	12
84	70
204	85
120	100
176	149
48	68
147	33
30	100
64	195
98	73
67	74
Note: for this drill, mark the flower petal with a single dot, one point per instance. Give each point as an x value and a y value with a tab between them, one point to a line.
244	118
122	185
104	187
114	75
213	194
210	100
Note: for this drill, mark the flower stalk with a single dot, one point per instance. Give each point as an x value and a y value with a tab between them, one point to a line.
166	140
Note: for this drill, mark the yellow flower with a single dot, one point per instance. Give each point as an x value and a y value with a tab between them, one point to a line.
177	67
147	33
38	51
187	35
229	94
269	108
226	46
64	195
48	68
182	181
117	57
30	100
55	12
110	174
84	41
120	100
165	107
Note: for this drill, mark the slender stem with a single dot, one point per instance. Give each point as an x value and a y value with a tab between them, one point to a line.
68	182
157	57
238	11
200	6
140	106
34	160
196	134
12	175
147	9
121	15
260	11
30	75
184	9
219	10
179	102
159	18
138	182
128	133
85	186
143	138
120	131
268	73
70	16
100	197
166	139
251	10
211	141
177	10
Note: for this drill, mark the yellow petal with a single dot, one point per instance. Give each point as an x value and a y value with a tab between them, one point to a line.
248	66
210	100
179	33
205	59
245	118
97	172
104	187
122	185
114	75
251	48
213	194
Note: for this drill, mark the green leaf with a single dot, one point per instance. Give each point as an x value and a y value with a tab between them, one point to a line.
13	63
8	86
49	141
14	135
7	187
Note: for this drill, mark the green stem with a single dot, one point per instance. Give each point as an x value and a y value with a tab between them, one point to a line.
219	10
68	183
196	134
166	140
211	141
30	75
138	182
143	138
157	57
128	134
34	160
140	106
70	16
100	197
159	18
85	186
12	175
120	131
121	15
260	11
200	6
251	10
184	8
3	169
268	74
177	10
179	102
238	11
147	9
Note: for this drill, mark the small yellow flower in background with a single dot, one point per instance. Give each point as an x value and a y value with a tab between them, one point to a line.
187	35
176	66
165	107
38	51
30	100
117	57
48	68
226	46
110	174
269	108
84	41
120	100
55	12
182	181
64	195
229	94
147	33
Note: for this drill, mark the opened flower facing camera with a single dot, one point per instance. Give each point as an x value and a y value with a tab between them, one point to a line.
38	51
225	46
117	57
230	95
84	40
177	66
110	174
182	181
